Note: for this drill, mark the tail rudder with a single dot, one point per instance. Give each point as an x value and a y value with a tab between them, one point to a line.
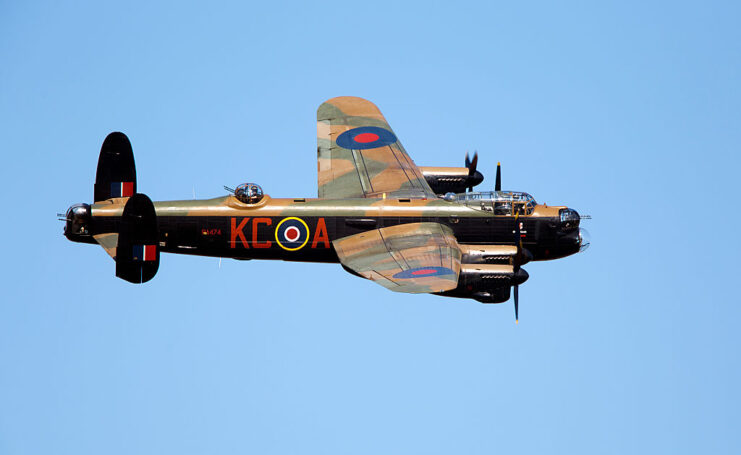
116	174
137	251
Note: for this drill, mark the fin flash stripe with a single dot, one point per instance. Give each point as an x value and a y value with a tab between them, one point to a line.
122	189
144	253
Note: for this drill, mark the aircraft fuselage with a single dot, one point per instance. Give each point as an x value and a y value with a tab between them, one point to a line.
303	229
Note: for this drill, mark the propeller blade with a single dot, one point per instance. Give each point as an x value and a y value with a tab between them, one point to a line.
472	164
498	183
517	260
518	243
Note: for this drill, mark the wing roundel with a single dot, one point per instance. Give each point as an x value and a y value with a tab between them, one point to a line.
413	257
360	156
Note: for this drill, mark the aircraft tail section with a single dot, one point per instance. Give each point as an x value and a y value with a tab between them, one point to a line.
132	239
116	174
137	250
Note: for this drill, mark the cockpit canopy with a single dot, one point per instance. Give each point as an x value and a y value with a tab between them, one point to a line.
500	202
249	193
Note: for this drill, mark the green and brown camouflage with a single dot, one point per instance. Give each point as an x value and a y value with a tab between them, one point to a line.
382	255
376	215
231	206
368	172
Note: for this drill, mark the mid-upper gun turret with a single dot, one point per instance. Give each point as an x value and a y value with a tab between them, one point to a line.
249	193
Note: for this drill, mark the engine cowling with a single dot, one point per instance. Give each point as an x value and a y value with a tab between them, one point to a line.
487	283
451	179
492	254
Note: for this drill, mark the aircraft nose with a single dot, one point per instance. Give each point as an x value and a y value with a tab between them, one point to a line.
476	178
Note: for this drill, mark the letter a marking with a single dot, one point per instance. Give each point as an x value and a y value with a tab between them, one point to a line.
320	234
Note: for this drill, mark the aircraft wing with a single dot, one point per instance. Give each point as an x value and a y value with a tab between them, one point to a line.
360	156
414	258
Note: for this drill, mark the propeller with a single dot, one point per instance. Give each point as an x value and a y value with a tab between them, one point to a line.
498	183
517	260
471	165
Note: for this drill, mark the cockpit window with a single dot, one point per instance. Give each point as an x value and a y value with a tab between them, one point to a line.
501	202
249	193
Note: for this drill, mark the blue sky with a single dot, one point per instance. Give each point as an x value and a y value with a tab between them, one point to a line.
627	111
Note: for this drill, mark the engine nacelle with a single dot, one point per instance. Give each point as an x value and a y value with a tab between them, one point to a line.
498	295
450	179
492	254
491	275
487	283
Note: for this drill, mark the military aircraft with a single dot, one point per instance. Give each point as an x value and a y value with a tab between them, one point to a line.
410	229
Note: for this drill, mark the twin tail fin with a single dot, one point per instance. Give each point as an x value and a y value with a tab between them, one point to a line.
136	250
116	174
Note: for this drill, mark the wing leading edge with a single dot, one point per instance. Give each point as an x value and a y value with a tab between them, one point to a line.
360	156
413	258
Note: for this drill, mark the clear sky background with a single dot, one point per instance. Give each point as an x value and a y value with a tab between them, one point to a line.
627	111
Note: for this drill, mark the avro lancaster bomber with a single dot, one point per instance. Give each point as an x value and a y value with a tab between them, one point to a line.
410	229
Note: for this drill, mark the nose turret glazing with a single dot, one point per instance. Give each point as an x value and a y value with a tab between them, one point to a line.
569	219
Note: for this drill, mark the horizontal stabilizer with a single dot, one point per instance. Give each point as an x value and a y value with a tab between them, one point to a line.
109	242
116	175
137	252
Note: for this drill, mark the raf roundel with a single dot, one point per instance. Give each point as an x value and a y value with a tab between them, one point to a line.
292	233
365	137
423	272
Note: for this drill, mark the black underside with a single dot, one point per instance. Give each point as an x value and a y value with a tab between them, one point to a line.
255	238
